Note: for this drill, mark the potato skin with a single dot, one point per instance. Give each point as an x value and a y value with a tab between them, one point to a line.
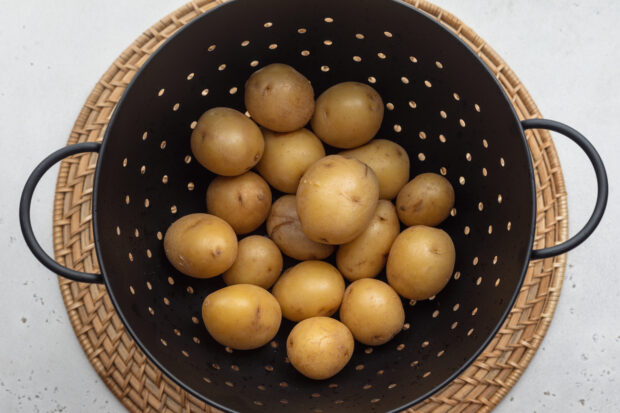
347	115
242	316
243	201
366	255
284	229
373	311
259	262
309	289
388	160
287	156
319	347
426	200
226	142
200	245
336	199
421	262
279	98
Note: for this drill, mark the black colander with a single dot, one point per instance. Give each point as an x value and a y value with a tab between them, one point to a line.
442	105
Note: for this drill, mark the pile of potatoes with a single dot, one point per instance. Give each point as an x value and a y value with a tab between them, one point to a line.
340	203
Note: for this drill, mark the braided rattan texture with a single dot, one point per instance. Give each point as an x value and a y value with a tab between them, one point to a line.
141	387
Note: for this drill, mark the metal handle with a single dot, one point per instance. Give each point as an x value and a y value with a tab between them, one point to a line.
24	212
601	180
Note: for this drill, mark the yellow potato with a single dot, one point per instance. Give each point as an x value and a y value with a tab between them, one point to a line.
284	228
242	316
366	255
287	156
226	142
347	115
309	289
336	199
319	347
243	201
200	245
373	311
259	262
388	160
426	200
279	98
420	262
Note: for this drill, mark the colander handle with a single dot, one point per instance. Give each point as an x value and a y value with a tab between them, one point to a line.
24	212
601	180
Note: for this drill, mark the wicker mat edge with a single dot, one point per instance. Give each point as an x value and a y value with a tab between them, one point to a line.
141	387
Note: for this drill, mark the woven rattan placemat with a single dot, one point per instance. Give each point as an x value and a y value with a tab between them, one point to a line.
141	387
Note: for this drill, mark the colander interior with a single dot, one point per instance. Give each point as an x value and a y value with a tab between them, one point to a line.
442	106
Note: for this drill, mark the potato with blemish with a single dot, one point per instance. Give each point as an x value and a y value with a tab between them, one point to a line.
426	200
287	156
200	245
319	347
366	255
284	229
336	199
259	262
242	316
226	142
243	201
347	115
388	160
421	262
279	98
373	311
309	289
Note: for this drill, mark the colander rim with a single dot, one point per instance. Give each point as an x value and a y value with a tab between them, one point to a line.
214	403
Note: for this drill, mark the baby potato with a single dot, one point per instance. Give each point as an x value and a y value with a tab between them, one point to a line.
319	347
309	289
347	115
200	245
284	228
336	199
243	201
242	316
226	142
365	256
287	156
279	98
373	311
388	160
420	262
259	262
426	200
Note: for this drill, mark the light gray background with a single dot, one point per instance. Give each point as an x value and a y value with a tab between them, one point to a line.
51	54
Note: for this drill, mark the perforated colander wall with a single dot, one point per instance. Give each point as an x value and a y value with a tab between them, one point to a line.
442	106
